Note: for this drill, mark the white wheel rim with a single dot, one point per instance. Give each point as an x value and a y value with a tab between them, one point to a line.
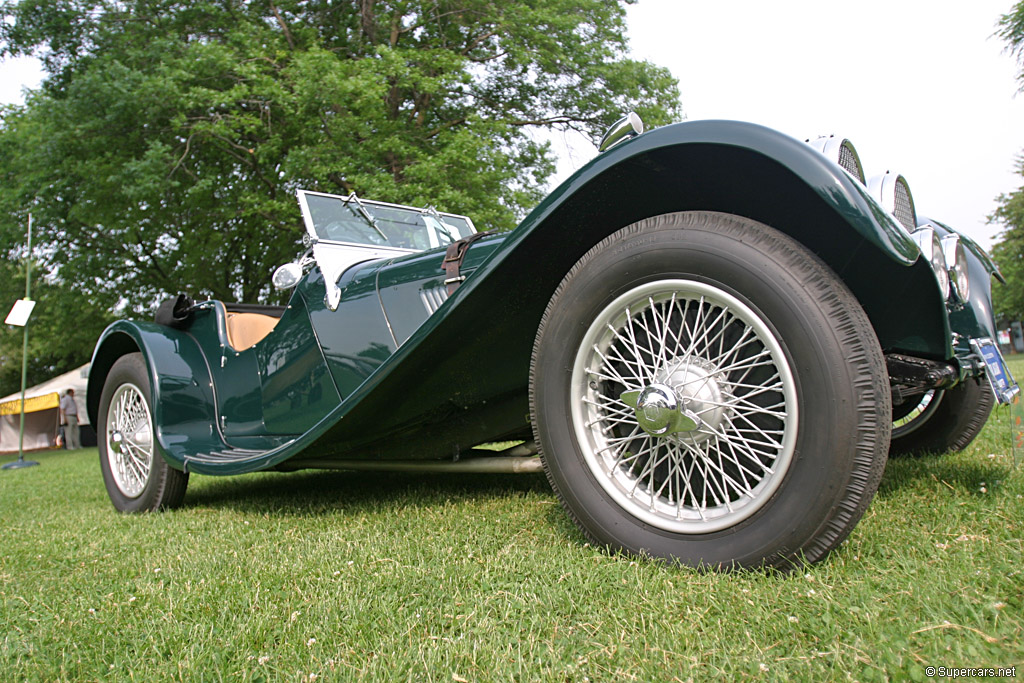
722	360
921	413
129	440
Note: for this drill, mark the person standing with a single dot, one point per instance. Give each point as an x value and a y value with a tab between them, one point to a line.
69	418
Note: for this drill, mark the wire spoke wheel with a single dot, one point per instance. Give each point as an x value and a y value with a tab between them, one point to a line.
129	440
942	420
911	416
704	390
680	347
136	475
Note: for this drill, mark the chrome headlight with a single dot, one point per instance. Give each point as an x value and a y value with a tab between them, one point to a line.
931	248
893	193
841	151
956	258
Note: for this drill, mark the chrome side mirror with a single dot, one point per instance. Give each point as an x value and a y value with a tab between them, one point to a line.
287	276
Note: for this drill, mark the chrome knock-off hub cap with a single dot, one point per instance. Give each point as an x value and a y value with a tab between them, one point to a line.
687	409
658	410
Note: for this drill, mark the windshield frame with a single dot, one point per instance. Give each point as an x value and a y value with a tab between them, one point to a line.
357	202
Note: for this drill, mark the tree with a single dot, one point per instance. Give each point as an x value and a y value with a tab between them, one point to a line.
1008	251
1011	30
167	141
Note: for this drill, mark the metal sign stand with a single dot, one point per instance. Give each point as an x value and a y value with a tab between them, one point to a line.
19	315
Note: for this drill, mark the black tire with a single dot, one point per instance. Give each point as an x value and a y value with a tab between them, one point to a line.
137	477
778	310
950	420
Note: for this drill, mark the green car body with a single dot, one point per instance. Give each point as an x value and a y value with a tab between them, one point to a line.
401	371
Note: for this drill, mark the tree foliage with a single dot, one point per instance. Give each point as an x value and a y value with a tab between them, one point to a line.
1008	251
164	148
1011	30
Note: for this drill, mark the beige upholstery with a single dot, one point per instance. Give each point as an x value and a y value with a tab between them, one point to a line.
245	329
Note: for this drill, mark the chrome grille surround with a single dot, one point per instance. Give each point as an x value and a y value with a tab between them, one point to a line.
842	152
893	193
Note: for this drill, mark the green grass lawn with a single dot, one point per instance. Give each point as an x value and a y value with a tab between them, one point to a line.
338	576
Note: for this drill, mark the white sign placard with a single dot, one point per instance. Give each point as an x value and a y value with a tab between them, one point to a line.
20	312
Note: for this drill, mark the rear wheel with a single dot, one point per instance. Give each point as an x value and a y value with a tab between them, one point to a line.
136	476
705	391
943	420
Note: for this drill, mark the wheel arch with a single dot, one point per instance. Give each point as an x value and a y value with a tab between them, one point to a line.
112	344
180	384
758	173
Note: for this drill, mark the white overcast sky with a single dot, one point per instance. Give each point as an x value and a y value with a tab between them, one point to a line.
921	88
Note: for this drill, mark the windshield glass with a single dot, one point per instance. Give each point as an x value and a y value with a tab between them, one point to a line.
337	219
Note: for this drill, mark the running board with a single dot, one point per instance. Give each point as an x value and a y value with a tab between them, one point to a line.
500	464
229	456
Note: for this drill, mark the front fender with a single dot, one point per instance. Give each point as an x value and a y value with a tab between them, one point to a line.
182	398
756	172
471	358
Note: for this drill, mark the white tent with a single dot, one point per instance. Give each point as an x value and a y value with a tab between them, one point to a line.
42	411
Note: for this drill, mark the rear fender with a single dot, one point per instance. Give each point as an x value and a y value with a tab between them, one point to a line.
182	399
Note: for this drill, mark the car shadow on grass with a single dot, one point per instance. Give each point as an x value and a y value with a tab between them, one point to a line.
952	472
320	491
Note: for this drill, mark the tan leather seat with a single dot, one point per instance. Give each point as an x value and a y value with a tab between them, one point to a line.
245	329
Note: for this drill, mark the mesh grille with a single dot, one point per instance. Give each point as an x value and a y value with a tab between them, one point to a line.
848	160
904	208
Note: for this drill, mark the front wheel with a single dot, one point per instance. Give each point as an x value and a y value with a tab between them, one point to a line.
137	478
705	391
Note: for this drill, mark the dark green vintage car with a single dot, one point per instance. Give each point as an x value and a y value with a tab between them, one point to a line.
710	338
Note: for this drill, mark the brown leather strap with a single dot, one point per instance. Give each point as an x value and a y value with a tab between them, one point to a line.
453	257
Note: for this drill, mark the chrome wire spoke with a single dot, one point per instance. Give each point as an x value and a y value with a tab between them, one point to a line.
743	446
726	380
751	426
637	368
621	456
129	440
647	376
752	454
704	340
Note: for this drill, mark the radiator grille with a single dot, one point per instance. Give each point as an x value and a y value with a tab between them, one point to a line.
849	161
904	205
